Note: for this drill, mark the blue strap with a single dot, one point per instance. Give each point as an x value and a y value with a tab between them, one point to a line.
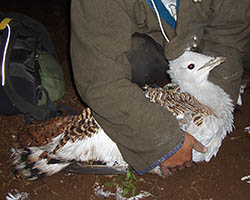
163	12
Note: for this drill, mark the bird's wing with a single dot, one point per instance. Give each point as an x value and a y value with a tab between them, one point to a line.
72	128
179	103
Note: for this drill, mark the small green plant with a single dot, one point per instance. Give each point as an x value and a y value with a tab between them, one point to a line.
128	185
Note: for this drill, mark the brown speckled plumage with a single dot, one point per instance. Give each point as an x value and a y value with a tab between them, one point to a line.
171	98
72	127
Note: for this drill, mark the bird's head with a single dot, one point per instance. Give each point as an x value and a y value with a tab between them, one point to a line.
192	67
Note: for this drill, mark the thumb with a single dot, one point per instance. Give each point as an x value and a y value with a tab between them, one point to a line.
199	147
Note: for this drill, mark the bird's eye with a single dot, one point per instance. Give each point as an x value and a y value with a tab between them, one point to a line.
191	66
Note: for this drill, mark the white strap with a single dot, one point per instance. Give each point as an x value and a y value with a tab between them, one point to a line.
4	55
159	20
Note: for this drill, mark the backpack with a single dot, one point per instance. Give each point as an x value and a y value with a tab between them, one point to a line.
31	77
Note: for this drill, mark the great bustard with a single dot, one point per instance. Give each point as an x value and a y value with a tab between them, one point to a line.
203	109
49	147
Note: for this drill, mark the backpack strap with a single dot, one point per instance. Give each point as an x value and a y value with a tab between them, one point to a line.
38	112
43	113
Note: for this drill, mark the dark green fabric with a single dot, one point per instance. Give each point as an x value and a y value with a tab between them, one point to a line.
52	77
101	39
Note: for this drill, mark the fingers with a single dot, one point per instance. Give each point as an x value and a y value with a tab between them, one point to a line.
167	171
199	147
181	167
183	157
185	165
196	144
188	164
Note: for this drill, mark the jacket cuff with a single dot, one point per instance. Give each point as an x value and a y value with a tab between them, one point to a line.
162	159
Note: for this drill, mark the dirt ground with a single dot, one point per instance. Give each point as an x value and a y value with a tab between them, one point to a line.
219	179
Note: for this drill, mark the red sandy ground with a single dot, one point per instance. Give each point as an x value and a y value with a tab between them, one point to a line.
216	180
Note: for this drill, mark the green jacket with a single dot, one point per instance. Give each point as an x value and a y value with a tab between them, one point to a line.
101	34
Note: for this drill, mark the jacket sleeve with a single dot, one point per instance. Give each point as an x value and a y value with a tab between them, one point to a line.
101	33
227	34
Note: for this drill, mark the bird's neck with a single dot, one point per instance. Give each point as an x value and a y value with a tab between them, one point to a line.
210	95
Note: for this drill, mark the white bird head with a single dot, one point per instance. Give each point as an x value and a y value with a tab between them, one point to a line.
192	68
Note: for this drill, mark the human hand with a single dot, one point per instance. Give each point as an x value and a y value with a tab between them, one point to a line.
183	157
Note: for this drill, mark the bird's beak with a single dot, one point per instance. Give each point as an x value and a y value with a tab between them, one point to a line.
213	63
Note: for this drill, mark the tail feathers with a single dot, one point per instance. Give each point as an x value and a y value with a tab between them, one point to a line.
78	168
34	163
